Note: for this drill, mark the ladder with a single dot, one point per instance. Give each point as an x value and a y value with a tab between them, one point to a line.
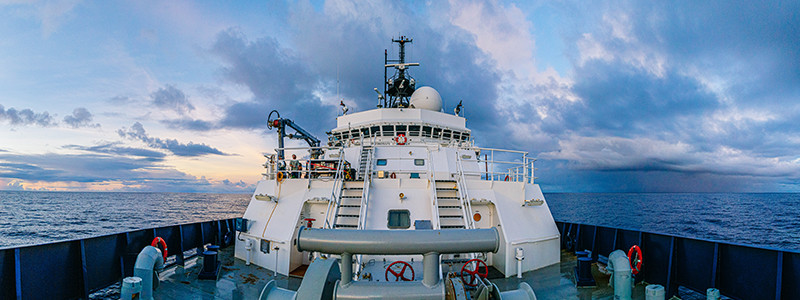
349	210
449	206
366	158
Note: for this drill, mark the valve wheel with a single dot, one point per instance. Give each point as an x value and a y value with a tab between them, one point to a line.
474	273
399	275
635	261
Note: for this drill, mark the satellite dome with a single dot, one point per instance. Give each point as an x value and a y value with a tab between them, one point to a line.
426	98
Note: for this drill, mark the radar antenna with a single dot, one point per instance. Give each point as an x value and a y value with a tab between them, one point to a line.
400	86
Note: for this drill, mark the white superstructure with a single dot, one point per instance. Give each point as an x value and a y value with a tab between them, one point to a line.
400	168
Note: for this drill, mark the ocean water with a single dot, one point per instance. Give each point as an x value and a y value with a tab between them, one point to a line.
768	220
39	217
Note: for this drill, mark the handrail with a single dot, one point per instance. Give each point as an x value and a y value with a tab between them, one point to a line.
362	216
333	204
464	194
435	200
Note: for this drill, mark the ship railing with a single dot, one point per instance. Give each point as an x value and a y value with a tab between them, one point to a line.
435	200
362	221
500	165
310	168
338	184
78	268
464	195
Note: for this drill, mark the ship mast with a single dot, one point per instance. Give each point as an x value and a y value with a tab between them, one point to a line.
400	86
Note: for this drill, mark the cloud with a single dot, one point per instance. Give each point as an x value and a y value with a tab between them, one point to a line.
124	173
26	117
190	124
81	117
115	149
169	97
137	132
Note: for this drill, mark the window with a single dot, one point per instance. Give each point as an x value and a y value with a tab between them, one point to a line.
413	130
446	134
374	130
401	129
437	132
399	219
388	130
426	131
419	162
381	162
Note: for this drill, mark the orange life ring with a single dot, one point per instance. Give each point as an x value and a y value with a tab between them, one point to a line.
279	176
401	139
158	241
636	263
393	176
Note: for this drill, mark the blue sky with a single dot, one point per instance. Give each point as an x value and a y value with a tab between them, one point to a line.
618	96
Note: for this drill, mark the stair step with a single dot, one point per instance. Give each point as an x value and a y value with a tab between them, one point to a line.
347	226
447	198
451	217
348	216
451	226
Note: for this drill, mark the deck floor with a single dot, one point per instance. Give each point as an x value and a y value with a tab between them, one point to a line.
238	281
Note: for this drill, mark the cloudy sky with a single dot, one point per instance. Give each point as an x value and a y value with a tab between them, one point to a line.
614	96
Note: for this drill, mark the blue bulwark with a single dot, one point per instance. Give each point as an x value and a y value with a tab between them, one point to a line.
74	269
696	264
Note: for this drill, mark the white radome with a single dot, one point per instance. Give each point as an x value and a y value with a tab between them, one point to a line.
426	98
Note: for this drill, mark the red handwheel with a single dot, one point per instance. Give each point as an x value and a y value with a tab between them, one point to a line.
160	243
474	273
636	262
399	275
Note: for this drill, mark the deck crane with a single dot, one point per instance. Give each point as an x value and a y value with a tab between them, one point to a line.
300	133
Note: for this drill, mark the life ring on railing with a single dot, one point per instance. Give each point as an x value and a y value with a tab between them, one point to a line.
354	142
636	263
506	178
393	175
158	241
279	176
400	139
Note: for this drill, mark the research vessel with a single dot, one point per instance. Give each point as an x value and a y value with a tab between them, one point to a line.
398	202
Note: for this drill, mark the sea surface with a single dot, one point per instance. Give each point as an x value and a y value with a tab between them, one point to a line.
29	217
767	220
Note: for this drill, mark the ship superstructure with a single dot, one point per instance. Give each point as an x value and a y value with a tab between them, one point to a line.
404	166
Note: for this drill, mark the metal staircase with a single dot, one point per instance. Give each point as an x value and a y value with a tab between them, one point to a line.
349	211
450	208
354	197
366	158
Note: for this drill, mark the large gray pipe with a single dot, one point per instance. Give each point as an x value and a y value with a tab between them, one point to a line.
392	242
149	259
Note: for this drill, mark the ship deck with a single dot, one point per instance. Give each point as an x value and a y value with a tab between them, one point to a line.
239	281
